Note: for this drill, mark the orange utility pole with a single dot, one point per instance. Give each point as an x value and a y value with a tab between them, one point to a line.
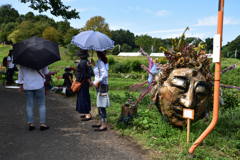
216	83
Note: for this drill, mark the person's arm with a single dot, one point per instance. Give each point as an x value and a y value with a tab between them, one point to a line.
89	82
73	69
8	64
52	72
103	72
92	63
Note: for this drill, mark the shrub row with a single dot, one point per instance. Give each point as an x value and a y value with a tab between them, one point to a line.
127	66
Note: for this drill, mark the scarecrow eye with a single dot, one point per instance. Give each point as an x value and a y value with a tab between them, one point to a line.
201	88
180	82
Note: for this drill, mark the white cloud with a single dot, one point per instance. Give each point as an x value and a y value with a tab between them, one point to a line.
199	35
124	11
131	8
86	9
148	11
159	13
161	31
212	21
124	25
163	13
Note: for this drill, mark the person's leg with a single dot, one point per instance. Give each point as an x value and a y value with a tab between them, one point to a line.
103	114
11	72
99	121
8	76
30	104
40	96
102	111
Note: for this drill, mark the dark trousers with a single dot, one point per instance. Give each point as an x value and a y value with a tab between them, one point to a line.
10	73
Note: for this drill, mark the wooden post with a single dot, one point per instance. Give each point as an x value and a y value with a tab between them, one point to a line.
188	114
188	130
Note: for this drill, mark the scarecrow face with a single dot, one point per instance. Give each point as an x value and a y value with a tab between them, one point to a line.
184	88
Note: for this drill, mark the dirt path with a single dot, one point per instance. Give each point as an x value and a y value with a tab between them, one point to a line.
67	138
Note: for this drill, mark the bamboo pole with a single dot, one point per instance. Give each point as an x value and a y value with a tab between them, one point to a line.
216	83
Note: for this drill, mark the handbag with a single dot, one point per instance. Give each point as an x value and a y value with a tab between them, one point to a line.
76	86
103	99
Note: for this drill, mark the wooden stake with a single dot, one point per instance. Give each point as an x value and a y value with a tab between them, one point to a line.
188	130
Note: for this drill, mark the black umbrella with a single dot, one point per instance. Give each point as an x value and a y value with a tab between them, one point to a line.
35	53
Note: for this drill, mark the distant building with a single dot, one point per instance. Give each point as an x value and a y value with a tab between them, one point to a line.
157	54
129	54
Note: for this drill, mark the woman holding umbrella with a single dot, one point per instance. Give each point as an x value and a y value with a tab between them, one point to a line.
101	78
83	75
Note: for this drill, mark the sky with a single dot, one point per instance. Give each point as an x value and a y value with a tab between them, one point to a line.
156	18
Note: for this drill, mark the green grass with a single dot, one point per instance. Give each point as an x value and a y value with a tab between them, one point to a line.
152	131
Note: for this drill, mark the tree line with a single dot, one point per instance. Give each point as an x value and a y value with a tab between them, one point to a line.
15	28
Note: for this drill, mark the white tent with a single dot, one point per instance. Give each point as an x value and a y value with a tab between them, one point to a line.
157	54
129	54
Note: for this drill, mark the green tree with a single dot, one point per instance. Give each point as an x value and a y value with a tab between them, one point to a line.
145	42
70	33
7	29
157	43
72	49
63	26
123	36
126	48
27	29
209	42
8	14
232	46
167	43
51	34
12	36
98	23
29	16
20	19
56	8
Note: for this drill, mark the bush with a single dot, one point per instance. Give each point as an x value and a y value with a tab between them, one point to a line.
111	60
231	98
126	48
117	67
121	67
115	50
136	66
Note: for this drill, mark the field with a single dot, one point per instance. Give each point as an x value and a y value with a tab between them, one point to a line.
151	131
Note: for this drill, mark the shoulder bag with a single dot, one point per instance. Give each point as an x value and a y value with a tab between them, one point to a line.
102	98
76	86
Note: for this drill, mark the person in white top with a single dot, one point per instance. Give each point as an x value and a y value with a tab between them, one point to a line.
101	78
10	67
32	84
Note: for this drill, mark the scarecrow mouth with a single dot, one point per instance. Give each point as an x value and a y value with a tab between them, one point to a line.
178	111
